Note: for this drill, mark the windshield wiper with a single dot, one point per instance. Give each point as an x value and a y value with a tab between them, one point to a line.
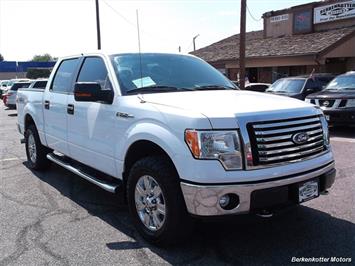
157	88
214	87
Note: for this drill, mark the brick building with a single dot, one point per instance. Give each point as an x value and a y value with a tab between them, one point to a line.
318	35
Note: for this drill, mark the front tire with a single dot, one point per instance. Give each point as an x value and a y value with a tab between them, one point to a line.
156	203
35	151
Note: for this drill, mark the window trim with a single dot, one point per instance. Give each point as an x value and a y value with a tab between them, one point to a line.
82	62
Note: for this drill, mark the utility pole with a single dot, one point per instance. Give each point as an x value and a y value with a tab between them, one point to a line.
179	49
98	25
242	44
194	41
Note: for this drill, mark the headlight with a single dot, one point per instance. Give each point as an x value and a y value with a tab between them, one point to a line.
325	131
216	145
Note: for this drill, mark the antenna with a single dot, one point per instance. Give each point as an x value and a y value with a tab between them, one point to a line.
139	48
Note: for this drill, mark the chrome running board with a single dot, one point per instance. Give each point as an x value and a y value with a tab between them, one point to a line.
110	187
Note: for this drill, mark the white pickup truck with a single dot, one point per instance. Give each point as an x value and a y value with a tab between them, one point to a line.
177	137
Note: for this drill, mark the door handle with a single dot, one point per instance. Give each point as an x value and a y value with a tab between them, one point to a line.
46	104
70	109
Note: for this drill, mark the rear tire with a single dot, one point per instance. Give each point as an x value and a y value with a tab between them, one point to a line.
166	214
35	151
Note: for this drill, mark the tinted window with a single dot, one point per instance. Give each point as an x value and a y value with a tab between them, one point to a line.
17	86
63	77
94	70
312	84
39	84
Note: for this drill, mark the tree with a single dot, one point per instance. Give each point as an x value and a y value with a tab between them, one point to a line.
1	58
35	73
43	58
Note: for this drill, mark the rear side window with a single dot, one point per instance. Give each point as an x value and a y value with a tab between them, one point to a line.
40	84
17	86
94	70
63	77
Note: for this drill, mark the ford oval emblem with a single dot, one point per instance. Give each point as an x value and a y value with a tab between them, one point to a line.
300	138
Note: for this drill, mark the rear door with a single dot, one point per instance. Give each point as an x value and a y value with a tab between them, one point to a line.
55	105
92	130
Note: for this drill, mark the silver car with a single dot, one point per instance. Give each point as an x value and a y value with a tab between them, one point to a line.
11	93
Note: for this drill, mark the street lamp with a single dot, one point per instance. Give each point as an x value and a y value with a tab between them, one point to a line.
193	40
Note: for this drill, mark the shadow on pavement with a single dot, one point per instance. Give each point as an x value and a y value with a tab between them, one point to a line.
343	132
296	232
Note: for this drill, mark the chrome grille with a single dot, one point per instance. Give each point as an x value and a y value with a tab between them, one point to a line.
272	141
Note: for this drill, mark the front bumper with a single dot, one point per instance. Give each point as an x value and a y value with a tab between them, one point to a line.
341	116
203	200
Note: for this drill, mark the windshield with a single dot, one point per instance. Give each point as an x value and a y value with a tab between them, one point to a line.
346	82
287	86
149	73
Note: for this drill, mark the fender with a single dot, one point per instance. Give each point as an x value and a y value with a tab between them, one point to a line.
37	117
159	135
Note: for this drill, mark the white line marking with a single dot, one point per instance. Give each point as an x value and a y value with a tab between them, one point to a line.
11	159
342	139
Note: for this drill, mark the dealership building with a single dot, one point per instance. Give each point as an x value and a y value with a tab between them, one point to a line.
294	41
16	69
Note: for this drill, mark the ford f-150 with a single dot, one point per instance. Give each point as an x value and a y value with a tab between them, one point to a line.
177	137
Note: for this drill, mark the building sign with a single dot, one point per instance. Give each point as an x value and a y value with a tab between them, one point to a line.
279	18
335	11
302	21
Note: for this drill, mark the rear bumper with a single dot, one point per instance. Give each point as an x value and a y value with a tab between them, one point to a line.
341	116
203	200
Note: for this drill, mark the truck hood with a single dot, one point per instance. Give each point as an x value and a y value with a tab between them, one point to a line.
328	94
222	107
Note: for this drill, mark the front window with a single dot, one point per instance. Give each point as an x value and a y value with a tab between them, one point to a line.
346	82
149	73
287	86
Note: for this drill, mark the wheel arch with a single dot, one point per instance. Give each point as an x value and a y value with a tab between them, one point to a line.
140	149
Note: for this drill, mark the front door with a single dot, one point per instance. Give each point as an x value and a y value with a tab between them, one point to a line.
92	125
55	105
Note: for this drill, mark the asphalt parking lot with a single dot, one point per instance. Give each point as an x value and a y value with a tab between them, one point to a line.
55	218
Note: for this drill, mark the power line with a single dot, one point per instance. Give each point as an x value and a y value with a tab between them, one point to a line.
119	14
251	15
156	36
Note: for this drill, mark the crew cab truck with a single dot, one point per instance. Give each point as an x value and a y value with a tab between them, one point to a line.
177	137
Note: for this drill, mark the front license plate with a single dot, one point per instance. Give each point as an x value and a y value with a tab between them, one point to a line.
308	190
327	117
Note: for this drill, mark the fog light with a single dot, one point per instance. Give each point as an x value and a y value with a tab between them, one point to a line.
229	201
224	201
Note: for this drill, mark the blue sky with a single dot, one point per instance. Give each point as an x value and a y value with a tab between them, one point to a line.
64	27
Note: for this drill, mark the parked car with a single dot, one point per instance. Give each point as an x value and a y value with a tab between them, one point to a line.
300	86
259	87
176	137
337	100
11	93
3	86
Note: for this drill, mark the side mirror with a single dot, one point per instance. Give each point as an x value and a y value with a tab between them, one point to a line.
92	92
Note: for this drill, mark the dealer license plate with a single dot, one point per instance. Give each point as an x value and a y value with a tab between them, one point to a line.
308	190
